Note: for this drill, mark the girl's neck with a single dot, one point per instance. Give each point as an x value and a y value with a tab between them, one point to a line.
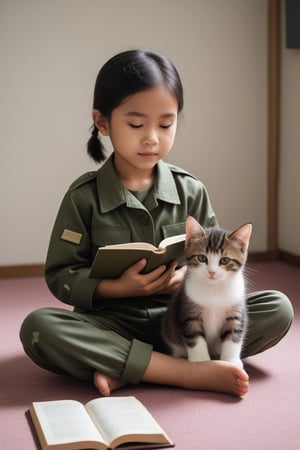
135	179
137	185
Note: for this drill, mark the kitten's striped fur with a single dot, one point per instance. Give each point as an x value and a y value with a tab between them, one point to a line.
207	318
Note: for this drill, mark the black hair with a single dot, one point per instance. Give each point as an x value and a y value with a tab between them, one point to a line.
125	74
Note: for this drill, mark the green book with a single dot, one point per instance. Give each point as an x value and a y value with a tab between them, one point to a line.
112	260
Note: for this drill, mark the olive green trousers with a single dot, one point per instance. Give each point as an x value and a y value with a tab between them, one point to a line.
118	339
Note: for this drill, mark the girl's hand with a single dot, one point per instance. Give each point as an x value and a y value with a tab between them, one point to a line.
159	281
133	283
175	281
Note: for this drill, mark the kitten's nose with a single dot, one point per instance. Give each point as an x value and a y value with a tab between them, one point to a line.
211	274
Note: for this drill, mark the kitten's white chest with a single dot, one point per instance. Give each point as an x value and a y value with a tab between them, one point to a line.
215	300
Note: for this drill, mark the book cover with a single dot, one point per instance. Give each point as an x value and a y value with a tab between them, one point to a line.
112	260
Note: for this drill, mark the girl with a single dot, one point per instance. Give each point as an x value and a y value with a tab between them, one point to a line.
113	334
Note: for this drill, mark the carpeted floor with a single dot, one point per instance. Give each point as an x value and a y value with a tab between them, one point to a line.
267	418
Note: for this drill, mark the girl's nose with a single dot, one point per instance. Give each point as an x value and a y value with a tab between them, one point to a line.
150	138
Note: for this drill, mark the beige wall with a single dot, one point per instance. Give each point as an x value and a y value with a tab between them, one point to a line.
289	181
50	54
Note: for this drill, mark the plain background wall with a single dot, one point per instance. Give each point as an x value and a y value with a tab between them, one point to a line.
50	55
289	181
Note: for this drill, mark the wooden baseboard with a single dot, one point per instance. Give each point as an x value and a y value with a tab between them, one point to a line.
37	270
289	257
262	256
22	271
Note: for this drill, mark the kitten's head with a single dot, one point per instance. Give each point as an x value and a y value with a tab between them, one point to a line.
216	253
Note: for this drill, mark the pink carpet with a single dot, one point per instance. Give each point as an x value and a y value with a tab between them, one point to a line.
268	418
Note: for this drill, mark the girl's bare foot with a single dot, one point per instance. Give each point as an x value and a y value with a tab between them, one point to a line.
106	384
215	376
218	376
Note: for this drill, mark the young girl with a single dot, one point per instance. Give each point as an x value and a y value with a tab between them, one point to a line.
113	334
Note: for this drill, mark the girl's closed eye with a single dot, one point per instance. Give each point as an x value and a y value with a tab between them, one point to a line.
164	127
133	125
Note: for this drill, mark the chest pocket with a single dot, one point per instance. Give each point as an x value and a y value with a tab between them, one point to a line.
173	229
110	236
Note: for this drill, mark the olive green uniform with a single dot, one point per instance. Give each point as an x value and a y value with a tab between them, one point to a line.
117	336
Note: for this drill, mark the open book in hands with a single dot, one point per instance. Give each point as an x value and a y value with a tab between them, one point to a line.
112	260
101	424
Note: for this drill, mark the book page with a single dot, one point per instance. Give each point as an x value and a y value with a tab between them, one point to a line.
131	245
172	240
65	421
119	416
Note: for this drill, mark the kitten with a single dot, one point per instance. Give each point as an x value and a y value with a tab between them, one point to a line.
207	318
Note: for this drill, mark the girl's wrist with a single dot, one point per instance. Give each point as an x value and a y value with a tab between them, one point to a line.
108	289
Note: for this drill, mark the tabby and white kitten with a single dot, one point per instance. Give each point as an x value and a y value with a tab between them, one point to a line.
207	318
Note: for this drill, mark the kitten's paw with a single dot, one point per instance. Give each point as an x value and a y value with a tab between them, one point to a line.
236	362
197	358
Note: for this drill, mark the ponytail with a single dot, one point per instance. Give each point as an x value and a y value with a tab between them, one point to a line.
95	147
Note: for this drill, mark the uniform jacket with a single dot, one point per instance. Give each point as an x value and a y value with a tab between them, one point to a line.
98	210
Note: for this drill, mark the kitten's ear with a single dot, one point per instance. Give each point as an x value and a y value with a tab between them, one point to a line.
242	235
193	227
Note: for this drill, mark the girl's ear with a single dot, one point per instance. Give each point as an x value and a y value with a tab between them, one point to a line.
101	122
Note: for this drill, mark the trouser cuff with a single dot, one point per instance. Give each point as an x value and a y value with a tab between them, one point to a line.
137	361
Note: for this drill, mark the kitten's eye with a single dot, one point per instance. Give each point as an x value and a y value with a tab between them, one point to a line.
202	258
224	261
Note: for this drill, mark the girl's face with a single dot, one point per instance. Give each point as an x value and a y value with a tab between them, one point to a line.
142	129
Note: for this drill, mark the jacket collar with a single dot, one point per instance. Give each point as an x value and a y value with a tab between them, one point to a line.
113	194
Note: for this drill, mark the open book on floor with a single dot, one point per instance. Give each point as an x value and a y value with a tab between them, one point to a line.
102	424
112	260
